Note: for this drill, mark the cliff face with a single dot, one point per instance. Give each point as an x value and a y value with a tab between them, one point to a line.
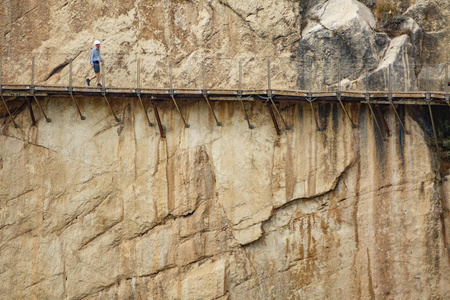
97	209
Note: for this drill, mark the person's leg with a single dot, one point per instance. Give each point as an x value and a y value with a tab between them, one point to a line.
97	72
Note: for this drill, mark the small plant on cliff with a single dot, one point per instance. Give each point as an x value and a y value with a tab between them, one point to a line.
389	18
385	10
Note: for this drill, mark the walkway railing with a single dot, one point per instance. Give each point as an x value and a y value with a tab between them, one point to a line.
221	73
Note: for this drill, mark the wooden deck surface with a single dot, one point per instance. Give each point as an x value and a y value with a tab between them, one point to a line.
11	92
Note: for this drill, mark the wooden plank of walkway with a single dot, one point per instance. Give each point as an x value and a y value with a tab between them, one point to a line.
287	95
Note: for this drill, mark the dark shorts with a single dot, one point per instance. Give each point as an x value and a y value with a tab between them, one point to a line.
96	67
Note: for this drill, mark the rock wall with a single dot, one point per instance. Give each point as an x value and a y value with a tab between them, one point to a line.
96	209
311	44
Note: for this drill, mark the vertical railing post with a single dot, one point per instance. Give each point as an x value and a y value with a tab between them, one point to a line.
366	82
339	95
389	82
171	76
240	96
367	98
172	92
270	96
446	84
428	100
427	84
32	90
269	89
310	79
338	86
3	99
71	89
205	94
138	75
102	70
32	73
1	69
301	70
138	89
240	77
390	96
103	78
203	77
70	75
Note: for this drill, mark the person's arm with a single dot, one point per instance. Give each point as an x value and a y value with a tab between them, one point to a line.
91	59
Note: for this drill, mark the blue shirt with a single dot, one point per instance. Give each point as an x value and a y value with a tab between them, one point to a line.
95	56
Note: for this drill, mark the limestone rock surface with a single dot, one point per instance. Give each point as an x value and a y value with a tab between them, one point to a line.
99	209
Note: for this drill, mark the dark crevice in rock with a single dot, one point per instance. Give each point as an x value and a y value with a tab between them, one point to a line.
59	68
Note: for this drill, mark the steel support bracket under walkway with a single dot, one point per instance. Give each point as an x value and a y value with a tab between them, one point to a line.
270	96
311	100
205	95
239	96
367	96
274	120
158	120
71	91
172	95
7	109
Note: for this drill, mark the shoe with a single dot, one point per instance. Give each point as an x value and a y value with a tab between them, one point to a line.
99	85
88	81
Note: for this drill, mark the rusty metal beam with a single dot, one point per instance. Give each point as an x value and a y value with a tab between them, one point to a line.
9	113
212	111
112	110
274	120
319	128
40	107
383	121
30	107
158	120
269	94
186	125
434	129
145	111
374	117
279	114
398	118
245	112
339	96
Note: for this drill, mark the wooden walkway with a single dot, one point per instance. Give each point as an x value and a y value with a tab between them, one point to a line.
11	92
269	96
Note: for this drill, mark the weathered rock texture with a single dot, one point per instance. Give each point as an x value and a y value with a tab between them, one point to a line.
96	209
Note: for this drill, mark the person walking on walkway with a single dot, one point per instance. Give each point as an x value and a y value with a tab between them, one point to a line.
95	61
